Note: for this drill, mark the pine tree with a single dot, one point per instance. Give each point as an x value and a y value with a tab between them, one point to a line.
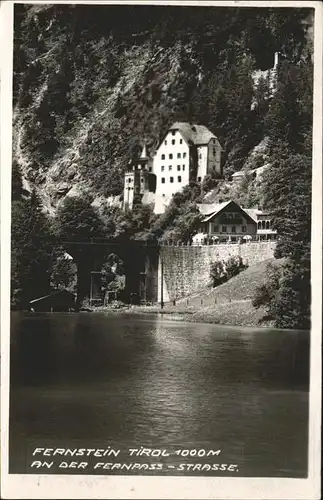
293	300
289	118
78	221
31	251
287	187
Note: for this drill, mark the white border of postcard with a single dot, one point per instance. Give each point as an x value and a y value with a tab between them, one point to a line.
79	486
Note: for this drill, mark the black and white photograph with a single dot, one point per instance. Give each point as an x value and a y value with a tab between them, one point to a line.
161	253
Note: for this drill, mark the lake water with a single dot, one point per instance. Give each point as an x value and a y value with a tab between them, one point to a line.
98	380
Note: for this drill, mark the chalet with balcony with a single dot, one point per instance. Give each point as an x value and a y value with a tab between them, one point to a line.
264	224
228	222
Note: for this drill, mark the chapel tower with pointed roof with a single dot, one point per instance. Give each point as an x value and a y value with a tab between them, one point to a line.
138	180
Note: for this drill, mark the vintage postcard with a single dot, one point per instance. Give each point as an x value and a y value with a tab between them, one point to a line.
161	263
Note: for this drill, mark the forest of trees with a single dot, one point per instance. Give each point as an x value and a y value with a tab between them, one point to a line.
287	195
37	243
71	63
65	76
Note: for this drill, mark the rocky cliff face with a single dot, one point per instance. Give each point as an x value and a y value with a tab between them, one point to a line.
92	83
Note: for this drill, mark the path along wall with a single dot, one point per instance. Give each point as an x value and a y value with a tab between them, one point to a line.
186	269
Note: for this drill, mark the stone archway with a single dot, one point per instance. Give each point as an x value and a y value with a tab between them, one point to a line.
139	263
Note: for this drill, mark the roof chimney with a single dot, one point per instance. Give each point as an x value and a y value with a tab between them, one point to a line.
276	59
143	152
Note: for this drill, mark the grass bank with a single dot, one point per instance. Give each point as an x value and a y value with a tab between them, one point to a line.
227	304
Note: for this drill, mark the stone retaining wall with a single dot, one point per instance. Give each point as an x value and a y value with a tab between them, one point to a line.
186	269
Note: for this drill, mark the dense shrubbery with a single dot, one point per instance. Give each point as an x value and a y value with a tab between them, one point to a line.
181	219
222	271
266	294
32	248
64	273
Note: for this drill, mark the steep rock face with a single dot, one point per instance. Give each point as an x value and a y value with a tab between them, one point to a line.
91	84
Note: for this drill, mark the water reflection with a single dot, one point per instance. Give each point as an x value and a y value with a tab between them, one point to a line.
149	381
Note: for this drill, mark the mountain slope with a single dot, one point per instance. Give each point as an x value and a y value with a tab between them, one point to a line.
231	302
92	83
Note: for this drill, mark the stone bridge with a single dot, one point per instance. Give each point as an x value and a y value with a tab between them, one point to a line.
140	263
153	272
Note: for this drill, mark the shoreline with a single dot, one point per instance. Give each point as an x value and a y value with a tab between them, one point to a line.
180	315
226	313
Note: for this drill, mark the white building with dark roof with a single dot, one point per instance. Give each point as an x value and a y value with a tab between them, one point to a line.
229	222
188	152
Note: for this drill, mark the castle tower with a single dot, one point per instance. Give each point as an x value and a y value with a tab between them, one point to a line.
137	180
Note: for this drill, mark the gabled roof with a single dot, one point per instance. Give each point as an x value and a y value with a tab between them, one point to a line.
253	212
211	208
195	134
221	206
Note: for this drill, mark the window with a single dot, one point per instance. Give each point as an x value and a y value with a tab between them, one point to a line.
214	152
163	157
267	224
259	225
215	228
173	132
199	179
263	224
184	155
181	141
162	168
178	155
234	229
183	167
163	194
224	229
170	167
178	167
129	180
170	156
171	179
244	229
141	180
150	169
179	178
163	180
173	142
165	143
